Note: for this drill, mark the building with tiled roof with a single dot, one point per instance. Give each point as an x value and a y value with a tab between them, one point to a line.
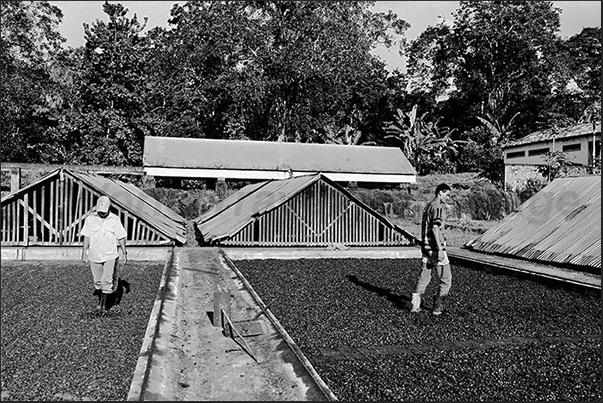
580	146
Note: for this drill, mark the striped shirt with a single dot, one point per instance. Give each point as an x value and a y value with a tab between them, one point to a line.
433	214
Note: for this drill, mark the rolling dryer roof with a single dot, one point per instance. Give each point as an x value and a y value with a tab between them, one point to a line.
561	224
243	207
139	203
247	159
123	195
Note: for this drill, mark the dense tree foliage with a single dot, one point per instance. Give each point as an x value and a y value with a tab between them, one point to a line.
493	62
29	45
280	71
292	71
500	71
104	118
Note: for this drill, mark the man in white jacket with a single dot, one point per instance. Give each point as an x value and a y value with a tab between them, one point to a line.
103	233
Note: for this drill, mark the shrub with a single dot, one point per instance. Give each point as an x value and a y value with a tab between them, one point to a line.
532	186
385	202
483	203
190	204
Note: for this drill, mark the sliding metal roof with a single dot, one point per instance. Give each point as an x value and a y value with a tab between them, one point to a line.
560	224
124	195
138	202
242	207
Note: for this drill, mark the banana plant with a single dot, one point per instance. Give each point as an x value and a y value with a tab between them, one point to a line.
404	129
421	141
348	134
498	132
592	114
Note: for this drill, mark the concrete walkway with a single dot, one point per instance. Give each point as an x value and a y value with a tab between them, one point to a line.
185	357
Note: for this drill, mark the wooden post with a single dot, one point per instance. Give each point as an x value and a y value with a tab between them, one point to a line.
148	182
221	186
211	183
15	179
26	219
221	302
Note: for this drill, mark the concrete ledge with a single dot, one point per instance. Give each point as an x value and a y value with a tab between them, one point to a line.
399	252
324	388
152	345
558	275
135	253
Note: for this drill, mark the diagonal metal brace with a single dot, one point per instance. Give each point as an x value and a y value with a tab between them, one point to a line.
234	331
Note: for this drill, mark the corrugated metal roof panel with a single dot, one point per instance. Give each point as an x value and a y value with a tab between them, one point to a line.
138	203
128	197
559	224
591	254
151	202
581	129
229	201
239	210
173	152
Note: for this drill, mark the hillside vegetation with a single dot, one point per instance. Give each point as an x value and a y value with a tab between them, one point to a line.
473	198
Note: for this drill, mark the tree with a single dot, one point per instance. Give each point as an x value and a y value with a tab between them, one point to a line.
494	59
109	121
583	58
430	63
275	70
502	65
576	78
29	42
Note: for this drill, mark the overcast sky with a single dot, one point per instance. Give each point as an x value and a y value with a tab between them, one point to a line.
575	15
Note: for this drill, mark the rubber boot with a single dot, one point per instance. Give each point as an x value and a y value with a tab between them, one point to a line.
103	299
415	302
98	293
438	305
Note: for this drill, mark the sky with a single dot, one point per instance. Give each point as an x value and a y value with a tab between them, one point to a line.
575	15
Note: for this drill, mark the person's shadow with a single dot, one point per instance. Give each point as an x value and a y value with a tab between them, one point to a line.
123	287
399	301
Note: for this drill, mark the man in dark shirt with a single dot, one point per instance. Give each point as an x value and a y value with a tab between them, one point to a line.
433	251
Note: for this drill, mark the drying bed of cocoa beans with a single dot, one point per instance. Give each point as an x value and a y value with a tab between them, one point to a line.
500	337
54	346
